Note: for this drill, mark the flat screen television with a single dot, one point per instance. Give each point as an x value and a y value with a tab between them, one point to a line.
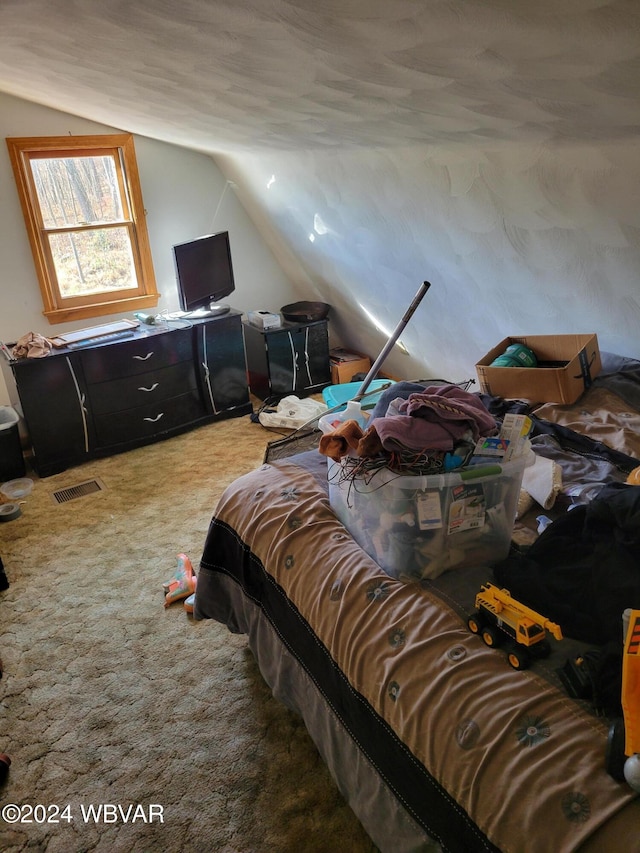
204	273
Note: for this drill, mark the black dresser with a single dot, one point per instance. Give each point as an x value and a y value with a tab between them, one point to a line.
110	397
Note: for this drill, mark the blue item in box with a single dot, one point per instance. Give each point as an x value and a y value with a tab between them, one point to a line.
335	395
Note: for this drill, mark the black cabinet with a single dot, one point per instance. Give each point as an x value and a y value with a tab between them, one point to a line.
83	403
53	404
293	359
223	368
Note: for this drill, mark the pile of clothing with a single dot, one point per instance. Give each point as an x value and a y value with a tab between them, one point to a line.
32	345
412	419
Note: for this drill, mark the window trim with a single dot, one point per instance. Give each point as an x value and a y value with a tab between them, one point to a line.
56	308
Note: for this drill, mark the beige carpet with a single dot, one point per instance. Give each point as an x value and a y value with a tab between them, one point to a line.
108	698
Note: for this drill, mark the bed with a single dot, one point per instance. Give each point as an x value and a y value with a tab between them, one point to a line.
434	740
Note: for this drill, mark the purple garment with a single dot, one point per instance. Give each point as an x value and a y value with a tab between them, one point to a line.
450	405
402	432
435	419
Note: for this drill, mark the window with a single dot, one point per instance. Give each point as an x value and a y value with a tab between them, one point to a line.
83	209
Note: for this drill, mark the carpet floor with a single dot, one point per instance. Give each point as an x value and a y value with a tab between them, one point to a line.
130	726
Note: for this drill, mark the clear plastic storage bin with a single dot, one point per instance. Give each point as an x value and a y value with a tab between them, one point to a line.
417	527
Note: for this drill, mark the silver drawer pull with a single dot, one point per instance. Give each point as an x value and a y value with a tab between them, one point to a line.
143	357
153	387
154	420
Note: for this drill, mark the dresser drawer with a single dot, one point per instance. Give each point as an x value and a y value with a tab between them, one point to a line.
144	389
142	355
151	420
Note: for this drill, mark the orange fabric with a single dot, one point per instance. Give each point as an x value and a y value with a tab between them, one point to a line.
337	444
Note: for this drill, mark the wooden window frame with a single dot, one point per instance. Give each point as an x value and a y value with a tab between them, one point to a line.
59	309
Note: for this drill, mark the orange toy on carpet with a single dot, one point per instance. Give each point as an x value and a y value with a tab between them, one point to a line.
183	583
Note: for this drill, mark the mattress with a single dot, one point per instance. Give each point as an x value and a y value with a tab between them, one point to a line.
433	739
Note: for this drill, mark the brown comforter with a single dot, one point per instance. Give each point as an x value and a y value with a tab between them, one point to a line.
477	755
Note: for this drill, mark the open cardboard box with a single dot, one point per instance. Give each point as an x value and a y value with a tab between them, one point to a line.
346	364
567	365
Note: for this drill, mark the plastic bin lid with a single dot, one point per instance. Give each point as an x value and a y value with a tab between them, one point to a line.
19	488
335	395
8	417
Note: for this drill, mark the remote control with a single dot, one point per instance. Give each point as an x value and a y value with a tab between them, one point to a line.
100	339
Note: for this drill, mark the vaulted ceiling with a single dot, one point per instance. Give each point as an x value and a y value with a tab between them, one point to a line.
219	74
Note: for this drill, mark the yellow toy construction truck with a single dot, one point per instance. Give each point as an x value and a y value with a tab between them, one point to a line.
500	619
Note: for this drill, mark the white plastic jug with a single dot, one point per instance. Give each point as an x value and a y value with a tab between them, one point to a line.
352	412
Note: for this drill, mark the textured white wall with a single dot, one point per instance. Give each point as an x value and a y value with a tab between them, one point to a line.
515	238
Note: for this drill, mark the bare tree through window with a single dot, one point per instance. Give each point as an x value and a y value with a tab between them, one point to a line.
85	217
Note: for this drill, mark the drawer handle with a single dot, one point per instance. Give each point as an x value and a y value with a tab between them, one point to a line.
143	357
153	387
154	420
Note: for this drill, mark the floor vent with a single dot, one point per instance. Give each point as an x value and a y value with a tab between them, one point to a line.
72	493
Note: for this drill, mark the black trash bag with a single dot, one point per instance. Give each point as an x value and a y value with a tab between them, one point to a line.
583	571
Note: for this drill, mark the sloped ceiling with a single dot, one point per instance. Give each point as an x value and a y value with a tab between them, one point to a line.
323	73
487	145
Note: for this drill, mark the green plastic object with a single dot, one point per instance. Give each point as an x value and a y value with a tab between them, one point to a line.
516	355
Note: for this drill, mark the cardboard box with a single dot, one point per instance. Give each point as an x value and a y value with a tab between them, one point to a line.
346	364
567	365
